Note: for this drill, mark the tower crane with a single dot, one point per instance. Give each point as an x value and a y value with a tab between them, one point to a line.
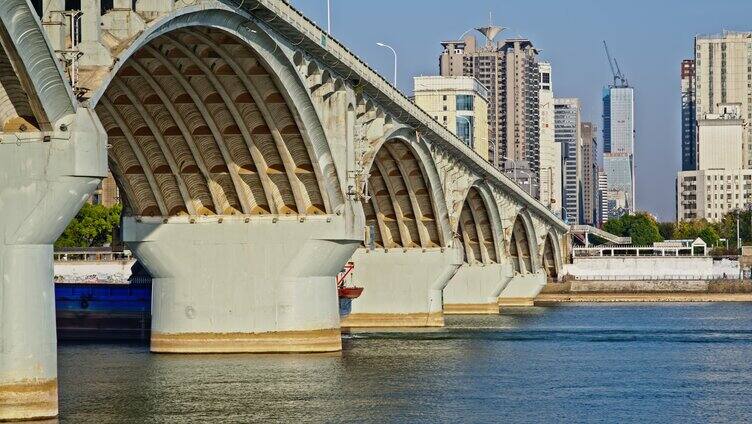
619	79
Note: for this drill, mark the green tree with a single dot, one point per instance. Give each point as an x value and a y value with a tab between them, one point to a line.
642	227
666	229
615	226
93	226
709	235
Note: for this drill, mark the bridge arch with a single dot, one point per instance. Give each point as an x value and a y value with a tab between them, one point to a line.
206	115
551	258
478	227
522	245
33	92
405	206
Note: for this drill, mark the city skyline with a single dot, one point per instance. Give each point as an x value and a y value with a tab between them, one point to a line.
652	71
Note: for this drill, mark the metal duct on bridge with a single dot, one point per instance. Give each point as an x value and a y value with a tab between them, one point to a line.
198	126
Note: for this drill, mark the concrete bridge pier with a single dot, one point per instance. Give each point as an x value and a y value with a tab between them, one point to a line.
475	288
523	288
243	284
402	287
45	177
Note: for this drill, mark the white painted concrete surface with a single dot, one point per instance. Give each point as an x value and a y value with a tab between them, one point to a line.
652	267
403	282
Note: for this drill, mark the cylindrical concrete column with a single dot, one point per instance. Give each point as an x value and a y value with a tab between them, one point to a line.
28	347
43	183
266	285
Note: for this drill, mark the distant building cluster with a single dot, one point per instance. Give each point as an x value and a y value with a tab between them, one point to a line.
498	97
716	94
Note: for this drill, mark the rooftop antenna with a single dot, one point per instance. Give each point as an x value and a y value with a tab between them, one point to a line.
490	31
620	80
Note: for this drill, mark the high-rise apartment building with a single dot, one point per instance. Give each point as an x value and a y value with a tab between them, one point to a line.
460	104
567	134
712	193
509	69
590	198
723	74
550	151
688	115
602	197
720	138
618	147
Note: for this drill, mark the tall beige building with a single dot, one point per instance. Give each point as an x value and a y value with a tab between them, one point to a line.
720	139
460	104
590	198
550	151
509	69
107	192
723	74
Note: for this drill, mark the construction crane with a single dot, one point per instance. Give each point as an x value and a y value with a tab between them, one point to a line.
619	79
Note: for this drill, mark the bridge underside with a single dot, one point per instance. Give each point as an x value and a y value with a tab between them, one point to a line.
198	127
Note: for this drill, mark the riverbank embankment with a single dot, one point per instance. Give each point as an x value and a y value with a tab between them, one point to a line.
646	291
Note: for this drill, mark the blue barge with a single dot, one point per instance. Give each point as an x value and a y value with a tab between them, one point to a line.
103	311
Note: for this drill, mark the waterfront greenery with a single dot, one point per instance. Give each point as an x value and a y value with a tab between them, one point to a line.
641	227
93	226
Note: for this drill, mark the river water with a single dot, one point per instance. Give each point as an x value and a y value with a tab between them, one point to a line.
577	363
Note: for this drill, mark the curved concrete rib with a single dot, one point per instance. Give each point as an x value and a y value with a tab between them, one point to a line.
178	119
233	168
190	207
425	239
386	235
35	64
481	235
401	224
139	154
295	184
256	155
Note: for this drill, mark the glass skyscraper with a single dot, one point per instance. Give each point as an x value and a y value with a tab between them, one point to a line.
618	148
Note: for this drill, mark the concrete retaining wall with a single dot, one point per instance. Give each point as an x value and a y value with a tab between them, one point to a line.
651	268
639	286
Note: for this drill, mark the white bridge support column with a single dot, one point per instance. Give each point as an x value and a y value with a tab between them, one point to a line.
522	289
475	288
401	288
42	186
266	285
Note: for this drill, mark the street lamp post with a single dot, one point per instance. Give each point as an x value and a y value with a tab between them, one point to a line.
328	17
514	166
470	130
394	52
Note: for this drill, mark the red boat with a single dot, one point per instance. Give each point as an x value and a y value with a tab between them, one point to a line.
346	294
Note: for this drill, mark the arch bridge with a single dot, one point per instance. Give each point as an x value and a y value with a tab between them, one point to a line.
255	156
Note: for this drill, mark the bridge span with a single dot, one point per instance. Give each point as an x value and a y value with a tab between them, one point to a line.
256	155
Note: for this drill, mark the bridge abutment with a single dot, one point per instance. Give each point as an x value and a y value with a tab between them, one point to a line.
44	180
402	287
231	285
475	288
522	289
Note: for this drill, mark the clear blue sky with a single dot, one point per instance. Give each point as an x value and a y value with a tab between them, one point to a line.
649	38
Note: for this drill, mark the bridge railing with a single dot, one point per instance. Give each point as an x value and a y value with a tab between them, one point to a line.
95	254
661	277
